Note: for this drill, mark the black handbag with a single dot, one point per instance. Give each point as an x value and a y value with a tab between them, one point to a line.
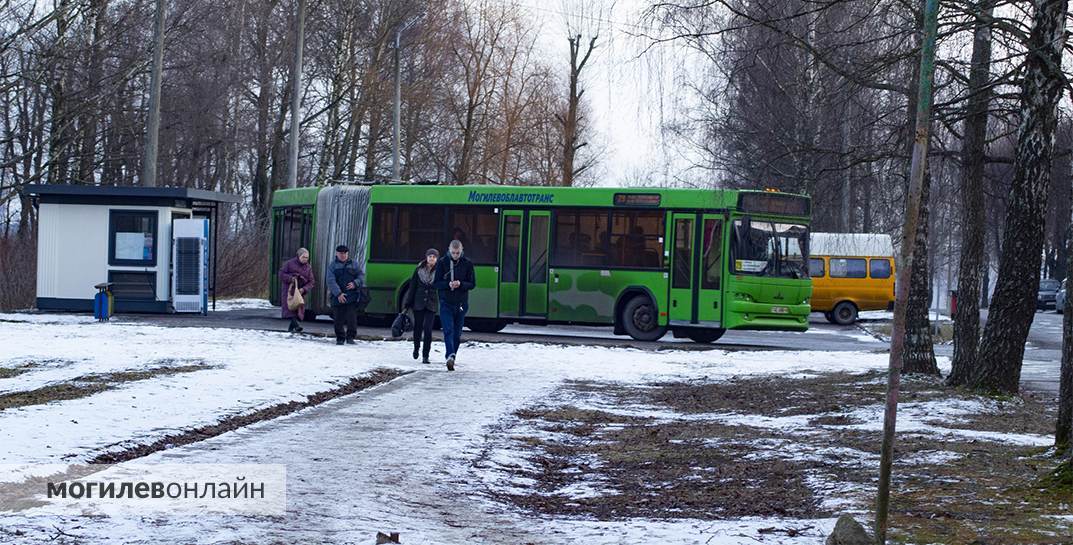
402	324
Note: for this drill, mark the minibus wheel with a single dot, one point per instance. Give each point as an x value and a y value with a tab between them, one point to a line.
845	313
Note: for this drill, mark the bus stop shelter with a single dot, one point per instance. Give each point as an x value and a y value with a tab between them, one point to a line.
122	236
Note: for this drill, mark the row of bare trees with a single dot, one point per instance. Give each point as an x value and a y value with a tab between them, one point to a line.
820	98
480	102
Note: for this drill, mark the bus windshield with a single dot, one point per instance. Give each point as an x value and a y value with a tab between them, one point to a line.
766	248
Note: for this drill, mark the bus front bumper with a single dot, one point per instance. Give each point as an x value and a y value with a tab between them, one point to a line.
750	315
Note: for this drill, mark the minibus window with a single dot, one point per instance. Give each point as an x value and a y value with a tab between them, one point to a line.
848	268
879	268
815	267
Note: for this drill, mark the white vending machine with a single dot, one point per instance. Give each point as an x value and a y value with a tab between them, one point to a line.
190	265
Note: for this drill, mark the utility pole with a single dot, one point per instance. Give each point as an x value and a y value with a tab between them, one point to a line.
398	107
296	97
905	272
152	125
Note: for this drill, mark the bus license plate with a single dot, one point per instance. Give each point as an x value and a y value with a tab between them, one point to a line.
780	310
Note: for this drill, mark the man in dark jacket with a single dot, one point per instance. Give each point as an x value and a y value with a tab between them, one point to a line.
344	278
454	279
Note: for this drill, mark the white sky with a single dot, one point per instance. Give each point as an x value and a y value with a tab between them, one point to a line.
628	93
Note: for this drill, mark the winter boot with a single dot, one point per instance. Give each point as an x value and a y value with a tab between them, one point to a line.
451	362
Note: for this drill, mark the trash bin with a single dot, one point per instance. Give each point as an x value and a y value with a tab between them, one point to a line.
953	302
103	302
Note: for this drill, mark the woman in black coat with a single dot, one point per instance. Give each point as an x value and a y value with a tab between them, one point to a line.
421	298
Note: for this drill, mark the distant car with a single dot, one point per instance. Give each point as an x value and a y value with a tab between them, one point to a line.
1060	298
1047	290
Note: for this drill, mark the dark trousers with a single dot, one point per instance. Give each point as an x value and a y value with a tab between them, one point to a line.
345	315
423	330
452	318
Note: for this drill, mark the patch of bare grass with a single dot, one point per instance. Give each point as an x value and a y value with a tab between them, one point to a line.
87	385
947	489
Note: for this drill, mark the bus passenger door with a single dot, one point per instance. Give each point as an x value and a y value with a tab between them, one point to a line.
510	263
710	271
682	297
534	302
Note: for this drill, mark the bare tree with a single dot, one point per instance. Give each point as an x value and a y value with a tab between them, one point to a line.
974	152
1013	306
583	33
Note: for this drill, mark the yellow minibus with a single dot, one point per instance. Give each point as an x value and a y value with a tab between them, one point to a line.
851	272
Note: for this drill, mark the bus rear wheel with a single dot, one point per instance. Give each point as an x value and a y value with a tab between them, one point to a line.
844	313
641	320
705	336
481	325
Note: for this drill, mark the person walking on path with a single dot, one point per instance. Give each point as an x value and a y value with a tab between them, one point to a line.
344	279
296	273
454	279
421	298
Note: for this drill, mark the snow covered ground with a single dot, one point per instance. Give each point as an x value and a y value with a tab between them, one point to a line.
398	457
239	371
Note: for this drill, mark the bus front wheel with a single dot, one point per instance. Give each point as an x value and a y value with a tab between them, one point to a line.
844	313
641	320
705	336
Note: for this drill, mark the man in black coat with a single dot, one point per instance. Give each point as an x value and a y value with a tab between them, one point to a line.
344	278
454	279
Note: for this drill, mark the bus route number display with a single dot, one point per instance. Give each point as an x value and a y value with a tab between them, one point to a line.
637	199
774	203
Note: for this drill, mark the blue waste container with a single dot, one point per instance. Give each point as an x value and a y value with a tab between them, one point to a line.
103	303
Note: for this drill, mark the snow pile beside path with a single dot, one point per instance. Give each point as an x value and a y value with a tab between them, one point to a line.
227	305
243	371
45	318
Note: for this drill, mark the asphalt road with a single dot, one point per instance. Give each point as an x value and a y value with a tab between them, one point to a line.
820	336
1040	371
1043	352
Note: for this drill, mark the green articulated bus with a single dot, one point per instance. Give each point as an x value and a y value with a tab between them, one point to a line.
645	261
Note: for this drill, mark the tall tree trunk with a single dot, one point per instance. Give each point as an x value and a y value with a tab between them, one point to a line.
967	315
1063	432
90	104
919	355
572	121
461	174
59	131
1014	304
1059	200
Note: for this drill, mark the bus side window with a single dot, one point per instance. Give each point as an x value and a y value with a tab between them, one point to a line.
634	240
293	227
578	240
386	235
713	254
477	227
815	267
879	268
